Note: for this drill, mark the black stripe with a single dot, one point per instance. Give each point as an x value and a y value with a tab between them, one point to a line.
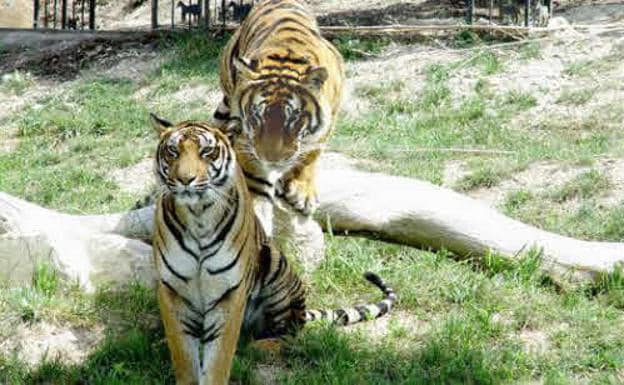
265	258
341	317
278	271
193	328
222	175
231	264
168	266
383	308
214	331
261	193
177	234
363	312
254	20
223	297
186	301
278	76
257	179
211	254
225	229
295	285
288	59
220	115
281	69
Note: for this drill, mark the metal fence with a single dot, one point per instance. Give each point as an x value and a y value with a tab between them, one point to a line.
510	12
80	14
202	13
64	14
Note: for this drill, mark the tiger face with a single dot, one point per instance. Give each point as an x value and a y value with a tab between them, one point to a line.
193	161
281	116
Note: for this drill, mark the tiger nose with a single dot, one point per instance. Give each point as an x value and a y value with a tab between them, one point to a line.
187	180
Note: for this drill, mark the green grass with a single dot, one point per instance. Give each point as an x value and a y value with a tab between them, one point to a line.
15	82
456	322
576	97
470	319
356	47
530	51
585	185
485	176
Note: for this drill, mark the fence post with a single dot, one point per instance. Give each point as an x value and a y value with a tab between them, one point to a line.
223	13
470	11
154	14
207	13
92	15
527	8
54	17
63	14
35	13
490	10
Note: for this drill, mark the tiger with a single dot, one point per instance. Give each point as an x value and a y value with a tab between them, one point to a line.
220	277
284	82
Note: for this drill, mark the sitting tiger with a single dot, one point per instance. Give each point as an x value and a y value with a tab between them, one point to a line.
218	273
284	82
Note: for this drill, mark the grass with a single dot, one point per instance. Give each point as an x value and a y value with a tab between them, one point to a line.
585	185
576	97
456	322
15	82
356	48
467	324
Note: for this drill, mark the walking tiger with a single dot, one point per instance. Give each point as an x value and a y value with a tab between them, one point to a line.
218	275
284	82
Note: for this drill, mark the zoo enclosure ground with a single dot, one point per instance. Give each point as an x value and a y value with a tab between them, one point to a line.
533	129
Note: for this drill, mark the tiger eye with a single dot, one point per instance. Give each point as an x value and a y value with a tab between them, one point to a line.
172	151
206	152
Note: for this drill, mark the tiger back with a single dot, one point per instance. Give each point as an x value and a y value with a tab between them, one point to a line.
218	274
284	82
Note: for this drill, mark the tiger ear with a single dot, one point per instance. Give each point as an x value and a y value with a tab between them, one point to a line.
160	125
315	78
246	67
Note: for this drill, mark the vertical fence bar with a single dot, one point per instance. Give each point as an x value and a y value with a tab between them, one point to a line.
527	8
223	13
154	14
172	15
54	15
63	14
490	10
46	13
471	6
207	14
91	15
36	14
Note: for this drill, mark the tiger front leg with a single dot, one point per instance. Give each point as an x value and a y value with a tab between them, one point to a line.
183	348
220	340
298	186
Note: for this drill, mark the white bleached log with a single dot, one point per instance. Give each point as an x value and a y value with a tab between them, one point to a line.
110	248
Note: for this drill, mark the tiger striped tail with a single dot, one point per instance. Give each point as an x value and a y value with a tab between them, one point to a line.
358	313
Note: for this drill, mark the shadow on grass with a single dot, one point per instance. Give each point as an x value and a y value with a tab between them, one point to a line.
134	352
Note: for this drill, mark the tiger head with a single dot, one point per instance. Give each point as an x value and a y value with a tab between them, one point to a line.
281	114
194	160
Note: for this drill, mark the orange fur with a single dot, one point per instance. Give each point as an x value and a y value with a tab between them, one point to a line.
219	275
284	82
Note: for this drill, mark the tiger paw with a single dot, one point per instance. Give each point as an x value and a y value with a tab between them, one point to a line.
300	195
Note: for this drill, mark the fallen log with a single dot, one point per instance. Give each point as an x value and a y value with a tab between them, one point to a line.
112	248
